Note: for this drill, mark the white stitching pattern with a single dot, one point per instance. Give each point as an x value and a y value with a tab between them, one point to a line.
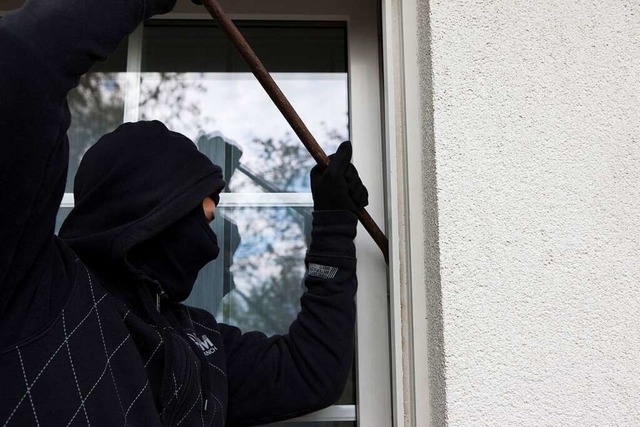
206	327
26	383
215	411
220	370
190	319
201	409
176	391
104	344
190	409
136	398
51	358
214	396
156	349
104	370
49	361
73	369
83	406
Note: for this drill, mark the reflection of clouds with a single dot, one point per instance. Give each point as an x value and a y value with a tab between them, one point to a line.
239	108
235	107
245	280
261	228
272	239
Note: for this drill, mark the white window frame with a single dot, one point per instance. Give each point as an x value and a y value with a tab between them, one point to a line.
417	371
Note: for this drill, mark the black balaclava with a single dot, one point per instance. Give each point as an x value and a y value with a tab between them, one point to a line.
175	256
138	216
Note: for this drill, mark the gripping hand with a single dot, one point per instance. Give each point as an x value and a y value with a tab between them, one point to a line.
338	187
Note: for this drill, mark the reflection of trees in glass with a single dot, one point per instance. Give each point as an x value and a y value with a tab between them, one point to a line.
285	163
268	269
97	107
164	96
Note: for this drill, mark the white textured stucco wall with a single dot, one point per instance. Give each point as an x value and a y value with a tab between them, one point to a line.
536	129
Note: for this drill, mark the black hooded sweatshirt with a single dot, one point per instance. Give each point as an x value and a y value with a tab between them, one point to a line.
85	338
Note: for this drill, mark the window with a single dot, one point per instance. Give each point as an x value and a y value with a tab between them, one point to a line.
181	70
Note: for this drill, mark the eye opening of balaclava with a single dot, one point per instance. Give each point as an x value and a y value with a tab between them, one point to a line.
175	256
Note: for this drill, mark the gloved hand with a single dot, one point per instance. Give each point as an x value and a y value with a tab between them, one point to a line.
338	187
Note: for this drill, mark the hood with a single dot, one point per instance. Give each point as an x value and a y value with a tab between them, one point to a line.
131	185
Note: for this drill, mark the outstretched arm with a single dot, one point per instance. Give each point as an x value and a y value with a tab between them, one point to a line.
279	377
274	378
44	49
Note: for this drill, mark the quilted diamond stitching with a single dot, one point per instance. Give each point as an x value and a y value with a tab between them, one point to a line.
73	369
104	345
26	383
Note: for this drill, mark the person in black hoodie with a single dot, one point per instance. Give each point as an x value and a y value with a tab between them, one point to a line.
92	329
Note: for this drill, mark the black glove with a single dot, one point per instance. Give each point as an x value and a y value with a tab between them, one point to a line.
338	187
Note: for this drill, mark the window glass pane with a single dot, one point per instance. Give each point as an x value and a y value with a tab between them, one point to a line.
266	267
97	107
283	46
193	81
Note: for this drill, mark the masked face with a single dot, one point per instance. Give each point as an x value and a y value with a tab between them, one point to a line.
175	256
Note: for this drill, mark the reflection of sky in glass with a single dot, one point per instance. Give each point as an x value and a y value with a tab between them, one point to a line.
278	230
235	106
241	110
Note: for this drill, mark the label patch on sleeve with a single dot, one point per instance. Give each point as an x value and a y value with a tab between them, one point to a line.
323	271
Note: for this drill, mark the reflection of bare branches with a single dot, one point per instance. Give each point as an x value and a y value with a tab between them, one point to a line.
97	107
152	95
287	160
97	94
283	163
269	308
273	274
334	134
268	270
164	96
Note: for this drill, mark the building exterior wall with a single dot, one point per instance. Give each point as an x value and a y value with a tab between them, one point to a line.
534	109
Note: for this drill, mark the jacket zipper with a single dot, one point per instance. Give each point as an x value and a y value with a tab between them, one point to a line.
159	295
